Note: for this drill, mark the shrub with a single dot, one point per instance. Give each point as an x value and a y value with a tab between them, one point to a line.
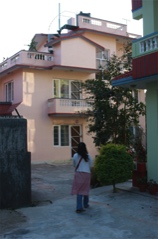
113	165
94	180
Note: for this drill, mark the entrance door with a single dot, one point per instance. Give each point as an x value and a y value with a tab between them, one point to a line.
75	138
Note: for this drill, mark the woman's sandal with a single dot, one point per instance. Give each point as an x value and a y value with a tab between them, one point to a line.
80	210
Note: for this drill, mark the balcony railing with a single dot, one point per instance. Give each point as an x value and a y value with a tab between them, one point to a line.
104	26
67	106
27	58
136	4
145	45
149	44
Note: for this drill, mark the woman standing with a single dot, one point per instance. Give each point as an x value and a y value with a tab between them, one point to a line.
83	163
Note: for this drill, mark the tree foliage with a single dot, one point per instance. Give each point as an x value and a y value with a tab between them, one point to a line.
113	165
32	45
114	109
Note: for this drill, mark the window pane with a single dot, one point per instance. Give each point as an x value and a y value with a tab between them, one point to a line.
12	90
56	135
106	54
64	135
99	55
64	89
75	90
56	88
98	64
9	90
6	94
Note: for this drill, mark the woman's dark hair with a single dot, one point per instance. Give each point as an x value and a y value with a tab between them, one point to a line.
82	150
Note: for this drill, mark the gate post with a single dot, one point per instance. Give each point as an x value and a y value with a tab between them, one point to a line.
15	164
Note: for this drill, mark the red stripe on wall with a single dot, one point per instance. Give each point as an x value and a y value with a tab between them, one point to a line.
136	4
145	66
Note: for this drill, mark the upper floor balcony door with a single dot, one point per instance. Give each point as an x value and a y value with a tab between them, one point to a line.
68	89
67	98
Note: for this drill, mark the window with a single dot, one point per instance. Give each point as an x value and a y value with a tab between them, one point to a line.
67	89
9	91
92	21
75	90
61	135
101	58
61	88
86	20
134	130
135	94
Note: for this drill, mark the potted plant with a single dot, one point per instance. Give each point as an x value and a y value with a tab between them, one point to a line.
152	187
142	182
140	152
140	157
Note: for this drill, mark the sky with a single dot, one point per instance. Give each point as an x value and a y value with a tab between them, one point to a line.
22	19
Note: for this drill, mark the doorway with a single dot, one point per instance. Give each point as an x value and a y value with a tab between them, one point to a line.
75	138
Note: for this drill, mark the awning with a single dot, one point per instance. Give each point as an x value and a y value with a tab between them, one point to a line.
6	108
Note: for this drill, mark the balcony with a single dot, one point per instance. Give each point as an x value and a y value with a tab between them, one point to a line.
67	107
145	45
145	56
38	60
27	58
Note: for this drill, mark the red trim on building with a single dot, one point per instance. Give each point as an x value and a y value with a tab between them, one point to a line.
6	108
145	65
136	4
126	74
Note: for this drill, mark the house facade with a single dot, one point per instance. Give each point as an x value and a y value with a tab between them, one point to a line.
46	83
145	75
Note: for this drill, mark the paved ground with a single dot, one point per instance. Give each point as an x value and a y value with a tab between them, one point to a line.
125	214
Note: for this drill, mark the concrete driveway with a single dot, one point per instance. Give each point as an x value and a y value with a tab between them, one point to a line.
125	214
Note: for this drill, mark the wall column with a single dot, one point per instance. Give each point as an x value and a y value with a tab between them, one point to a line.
152	130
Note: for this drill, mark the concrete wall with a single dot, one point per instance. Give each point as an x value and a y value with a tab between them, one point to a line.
15	164
152	130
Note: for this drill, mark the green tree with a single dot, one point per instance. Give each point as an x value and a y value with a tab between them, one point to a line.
32	45
113	165
114	109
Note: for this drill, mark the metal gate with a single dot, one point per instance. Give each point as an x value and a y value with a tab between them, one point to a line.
75	138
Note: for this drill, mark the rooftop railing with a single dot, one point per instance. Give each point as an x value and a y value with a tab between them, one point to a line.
104	26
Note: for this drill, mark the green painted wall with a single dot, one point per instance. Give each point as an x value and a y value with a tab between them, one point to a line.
137	14
150	23
152	130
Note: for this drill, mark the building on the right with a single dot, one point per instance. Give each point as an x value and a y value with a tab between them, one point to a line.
144	75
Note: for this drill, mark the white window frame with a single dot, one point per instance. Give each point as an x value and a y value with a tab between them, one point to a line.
9	91
59	136
59	94
101	58
135	94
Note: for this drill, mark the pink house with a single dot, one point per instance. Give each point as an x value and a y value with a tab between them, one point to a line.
47	83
